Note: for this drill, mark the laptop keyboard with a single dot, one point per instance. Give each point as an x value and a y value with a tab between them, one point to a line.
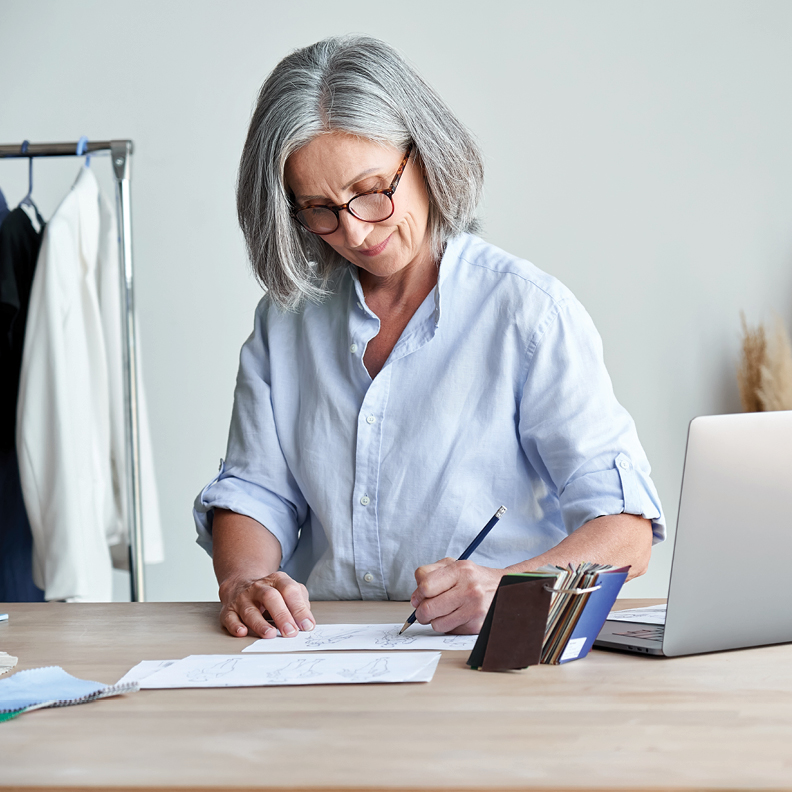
645	633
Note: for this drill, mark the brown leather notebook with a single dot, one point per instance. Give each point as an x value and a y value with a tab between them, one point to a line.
514	627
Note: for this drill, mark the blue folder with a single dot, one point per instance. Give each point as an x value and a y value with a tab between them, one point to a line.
595	612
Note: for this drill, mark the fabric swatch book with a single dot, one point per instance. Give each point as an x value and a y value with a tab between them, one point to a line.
38	688
549	616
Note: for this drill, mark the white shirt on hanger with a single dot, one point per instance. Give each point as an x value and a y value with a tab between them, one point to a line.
70	418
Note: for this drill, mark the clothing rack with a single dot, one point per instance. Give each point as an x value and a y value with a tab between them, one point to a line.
120	153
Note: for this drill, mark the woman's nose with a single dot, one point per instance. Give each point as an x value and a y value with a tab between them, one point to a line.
355	231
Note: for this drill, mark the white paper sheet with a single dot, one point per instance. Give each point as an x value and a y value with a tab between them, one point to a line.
652	614
337	668
144	669
356	637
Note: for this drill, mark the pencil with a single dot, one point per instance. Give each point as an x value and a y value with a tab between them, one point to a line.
468	552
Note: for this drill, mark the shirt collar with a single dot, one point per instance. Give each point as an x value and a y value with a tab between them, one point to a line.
447	264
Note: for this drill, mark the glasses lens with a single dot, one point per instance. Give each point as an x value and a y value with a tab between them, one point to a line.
318	219
372	207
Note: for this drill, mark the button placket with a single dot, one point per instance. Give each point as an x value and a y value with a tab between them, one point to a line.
365	523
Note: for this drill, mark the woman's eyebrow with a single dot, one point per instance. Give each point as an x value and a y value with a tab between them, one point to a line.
357	178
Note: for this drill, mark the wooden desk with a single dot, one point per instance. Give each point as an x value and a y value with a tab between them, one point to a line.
610	721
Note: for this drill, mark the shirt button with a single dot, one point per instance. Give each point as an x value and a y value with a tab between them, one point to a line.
371	419
624	464
368	577
365	500
360	306
353	348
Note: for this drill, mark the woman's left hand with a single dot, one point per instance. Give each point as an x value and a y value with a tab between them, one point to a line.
454	596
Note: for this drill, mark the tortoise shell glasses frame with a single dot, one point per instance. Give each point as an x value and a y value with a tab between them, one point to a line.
373	206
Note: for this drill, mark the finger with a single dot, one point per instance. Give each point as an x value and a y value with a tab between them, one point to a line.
244	612
441	578
295	596
233	624
273	602
253	618
433	608
469	628
427	569
465	620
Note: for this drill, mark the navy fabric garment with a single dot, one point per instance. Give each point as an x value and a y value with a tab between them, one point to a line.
19	249
16	542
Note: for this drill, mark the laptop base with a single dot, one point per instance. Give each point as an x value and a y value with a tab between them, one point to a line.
622	636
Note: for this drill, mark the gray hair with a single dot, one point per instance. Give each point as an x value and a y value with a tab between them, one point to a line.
361	86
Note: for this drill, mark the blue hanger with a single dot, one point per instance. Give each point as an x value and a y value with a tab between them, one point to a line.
82	147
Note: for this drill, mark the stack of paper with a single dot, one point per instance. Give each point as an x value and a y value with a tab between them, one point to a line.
358	637
285	664
7	662
329	668
651	614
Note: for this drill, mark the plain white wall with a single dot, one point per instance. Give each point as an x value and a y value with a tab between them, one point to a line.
641	152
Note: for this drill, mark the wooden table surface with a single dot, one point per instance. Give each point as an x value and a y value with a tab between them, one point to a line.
610	721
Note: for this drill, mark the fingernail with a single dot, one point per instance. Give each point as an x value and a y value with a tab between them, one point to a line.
289	630
307	625
414	602
270	632
240	630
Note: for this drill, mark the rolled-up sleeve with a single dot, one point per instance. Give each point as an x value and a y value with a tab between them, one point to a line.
578	437
254	479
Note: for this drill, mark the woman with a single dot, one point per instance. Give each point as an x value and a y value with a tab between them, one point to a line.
404	378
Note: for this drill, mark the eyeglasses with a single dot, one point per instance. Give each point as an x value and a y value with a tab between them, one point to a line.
371	207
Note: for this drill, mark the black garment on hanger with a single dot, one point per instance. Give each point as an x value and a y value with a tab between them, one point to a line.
3	208
19	249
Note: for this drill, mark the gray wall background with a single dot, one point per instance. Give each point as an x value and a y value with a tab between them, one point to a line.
641	152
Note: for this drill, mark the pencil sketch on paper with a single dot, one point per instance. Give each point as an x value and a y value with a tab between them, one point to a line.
330	668
213	672
357	637
376	668
303	668
458	641
323	638
388	639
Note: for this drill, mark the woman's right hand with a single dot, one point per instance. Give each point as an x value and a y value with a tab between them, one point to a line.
285	601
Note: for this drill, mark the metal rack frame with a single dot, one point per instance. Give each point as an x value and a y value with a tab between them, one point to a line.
120	154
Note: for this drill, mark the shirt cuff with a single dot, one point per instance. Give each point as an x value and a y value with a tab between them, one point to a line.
249	500
621	489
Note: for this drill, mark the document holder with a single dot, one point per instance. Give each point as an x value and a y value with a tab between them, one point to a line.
582	612
536	617
514	627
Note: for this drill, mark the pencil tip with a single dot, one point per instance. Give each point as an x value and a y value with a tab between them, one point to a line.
406	625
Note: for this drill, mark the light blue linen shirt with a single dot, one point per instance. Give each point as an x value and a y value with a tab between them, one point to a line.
496	393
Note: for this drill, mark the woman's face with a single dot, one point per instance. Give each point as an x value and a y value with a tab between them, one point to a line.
335	167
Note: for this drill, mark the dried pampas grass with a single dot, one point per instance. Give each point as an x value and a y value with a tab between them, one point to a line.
749	374
765	372
775	388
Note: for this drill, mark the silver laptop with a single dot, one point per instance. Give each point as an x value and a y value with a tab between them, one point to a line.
731	574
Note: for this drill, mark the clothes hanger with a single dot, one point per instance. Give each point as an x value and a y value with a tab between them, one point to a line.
82	148
28	200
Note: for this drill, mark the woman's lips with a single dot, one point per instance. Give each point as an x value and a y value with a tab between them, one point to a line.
377	249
